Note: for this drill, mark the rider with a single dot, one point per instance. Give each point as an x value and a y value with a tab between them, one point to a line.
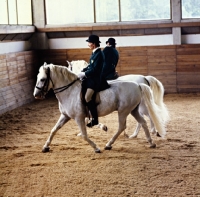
111	60
92	78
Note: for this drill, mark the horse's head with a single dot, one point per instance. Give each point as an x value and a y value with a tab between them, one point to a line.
76	66
43	84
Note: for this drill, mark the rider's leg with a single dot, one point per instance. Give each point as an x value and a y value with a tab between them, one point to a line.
92	107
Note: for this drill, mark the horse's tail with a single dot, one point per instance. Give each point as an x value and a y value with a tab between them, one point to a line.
154	110
158	94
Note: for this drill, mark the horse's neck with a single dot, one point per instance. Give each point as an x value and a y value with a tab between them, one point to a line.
69	95
61	76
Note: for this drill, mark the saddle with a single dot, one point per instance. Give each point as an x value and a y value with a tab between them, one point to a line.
116	75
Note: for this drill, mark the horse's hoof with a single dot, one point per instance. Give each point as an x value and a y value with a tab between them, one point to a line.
157	134
153	146
98	151
153	131
105	128
126	135
45	150
79	134
132	136
108	148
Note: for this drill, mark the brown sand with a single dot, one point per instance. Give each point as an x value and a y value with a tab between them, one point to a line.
71	168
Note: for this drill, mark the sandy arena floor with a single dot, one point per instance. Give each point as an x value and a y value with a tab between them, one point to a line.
72	168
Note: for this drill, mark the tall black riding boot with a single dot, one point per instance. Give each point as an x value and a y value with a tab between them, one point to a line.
93	110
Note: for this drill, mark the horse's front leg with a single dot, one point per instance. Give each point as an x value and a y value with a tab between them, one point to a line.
83	134
62	120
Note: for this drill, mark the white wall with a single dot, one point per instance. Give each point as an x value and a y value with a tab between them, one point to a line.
122	41
190	39
12	47
72	43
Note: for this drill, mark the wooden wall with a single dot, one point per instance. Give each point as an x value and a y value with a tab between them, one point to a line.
176	66
188	68
59	56
158	61
17	79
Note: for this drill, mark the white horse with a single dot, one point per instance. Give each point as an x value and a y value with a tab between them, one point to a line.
155	85
124	97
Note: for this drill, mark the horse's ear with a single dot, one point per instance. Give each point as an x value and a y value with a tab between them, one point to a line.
45	63
69	63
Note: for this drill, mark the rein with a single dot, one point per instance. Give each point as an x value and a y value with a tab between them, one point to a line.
58	90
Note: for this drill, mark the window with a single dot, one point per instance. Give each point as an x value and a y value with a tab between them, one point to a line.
24	13
3	12
190	8
15	12
12	12
60	12
107	10
69	11
145	10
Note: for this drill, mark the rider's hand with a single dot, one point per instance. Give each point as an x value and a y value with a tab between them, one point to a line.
81	75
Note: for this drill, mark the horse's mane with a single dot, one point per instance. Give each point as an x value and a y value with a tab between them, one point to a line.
63	71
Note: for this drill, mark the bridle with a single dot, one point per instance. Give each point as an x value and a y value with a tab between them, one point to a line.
44	89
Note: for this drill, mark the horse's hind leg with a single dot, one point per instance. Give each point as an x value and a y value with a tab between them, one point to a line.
153	129
142	110
62	120
134	135
122	126
135	113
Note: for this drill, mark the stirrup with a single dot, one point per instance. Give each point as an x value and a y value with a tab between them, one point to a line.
92	123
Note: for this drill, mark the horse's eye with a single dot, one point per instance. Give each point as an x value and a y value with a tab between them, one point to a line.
43	79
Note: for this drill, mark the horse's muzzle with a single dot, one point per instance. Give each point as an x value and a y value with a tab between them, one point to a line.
38	94
41	97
